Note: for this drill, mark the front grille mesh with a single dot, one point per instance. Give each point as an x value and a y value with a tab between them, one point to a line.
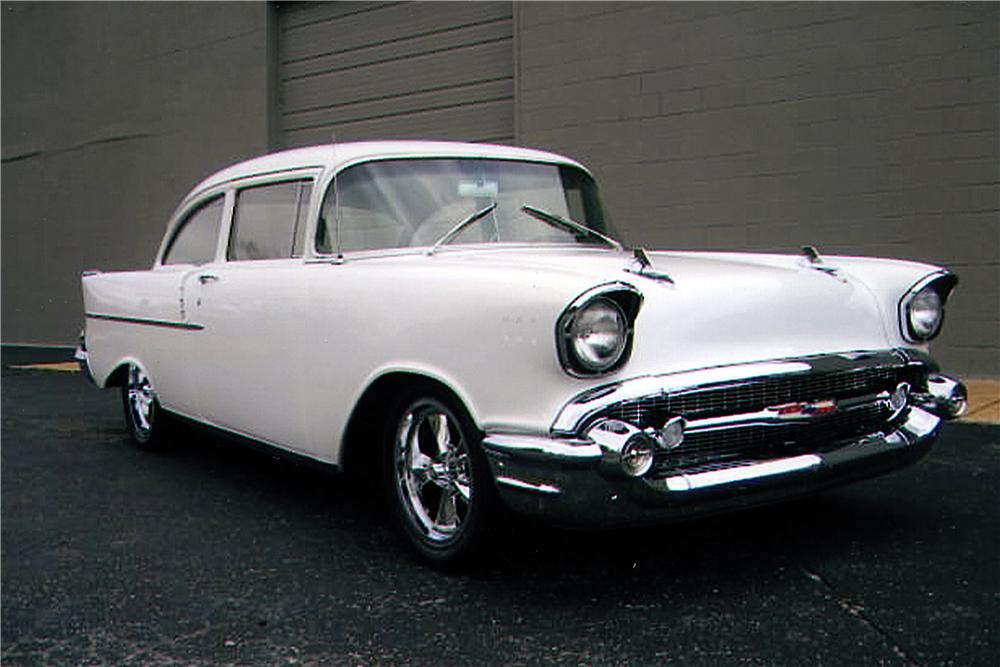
745	443
755	395
760	442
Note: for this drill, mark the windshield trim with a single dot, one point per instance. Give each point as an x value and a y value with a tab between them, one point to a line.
566	162
468	248
330	183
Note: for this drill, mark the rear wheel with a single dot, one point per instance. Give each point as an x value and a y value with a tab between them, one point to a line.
143	415
438	480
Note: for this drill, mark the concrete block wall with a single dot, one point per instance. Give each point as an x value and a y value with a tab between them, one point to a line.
860	128
111	112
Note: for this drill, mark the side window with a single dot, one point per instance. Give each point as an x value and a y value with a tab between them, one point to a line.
301	211
196	238
357	213
369	211
269	222
326	224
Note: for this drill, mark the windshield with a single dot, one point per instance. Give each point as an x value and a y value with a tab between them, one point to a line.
417	202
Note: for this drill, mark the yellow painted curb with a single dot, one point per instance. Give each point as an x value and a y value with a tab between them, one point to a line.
61	366
984	401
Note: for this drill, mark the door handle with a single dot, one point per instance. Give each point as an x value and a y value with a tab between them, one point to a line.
207	278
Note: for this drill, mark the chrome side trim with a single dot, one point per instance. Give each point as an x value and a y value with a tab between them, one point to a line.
146	321
712	478
546	489
542	447
589	403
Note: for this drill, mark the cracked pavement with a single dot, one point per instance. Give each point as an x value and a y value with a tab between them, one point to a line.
214	553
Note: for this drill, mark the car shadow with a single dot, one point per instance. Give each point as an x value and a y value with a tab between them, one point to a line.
265	471
796	527
791	532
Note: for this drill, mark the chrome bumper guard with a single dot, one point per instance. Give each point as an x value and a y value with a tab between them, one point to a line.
593	472
82	357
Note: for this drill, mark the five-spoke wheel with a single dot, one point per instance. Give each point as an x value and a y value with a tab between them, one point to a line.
142	410
437	479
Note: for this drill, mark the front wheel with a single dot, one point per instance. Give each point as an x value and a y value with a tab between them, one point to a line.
143	416
437	479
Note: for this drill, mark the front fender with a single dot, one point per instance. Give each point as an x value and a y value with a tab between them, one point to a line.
889	282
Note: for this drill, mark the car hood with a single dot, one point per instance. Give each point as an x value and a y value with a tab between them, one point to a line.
716	308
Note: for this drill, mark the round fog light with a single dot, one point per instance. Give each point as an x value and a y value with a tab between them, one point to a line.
898	398
672	433
637	456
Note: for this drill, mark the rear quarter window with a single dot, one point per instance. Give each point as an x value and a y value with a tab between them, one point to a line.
196	238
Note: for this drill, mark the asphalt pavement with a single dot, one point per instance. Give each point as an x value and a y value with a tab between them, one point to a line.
214	553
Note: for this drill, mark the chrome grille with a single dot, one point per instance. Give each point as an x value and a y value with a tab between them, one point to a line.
757	442
757	394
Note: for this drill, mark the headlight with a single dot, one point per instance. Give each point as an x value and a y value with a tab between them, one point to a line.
594	335
597	335
924	313
922	308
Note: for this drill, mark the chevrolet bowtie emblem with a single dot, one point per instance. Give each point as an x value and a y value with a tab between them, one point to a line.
802	410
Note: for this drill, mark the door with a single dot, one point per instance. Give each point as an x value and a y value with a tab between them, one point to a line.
253	360
171	336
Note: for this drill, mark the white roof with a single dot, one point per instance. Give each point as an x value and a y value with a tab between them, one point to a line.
337	156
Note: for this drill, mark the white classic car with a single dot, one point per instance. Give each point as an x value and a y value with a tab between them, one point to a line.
459	318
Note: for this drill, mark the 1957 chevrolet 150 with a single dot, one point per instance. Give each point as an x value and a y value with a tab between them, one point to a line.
459	317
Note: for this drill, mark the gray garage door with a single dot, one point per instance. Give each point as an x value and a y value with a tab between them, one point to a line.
441	70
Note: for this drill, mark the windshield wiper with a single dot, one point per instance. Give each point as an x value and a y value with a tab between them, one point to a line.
560	222
457	229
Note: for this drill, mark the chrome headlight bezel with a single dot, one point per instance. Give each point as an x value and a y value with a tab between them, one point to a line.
931	293
621	302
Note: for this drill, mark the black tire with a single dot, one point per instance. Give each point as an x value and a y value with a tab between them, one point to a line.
437	479
145	419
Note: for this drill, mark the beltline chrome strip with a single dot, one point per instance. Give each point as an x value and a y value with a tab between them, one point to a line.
145	321
703	480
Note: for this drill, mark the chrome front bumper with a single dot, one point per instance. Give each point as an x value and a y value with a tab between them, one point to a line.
575	474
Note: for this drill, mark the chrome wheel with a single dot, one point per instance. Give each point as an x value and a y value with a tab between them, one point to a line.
433	470
141	407
140	399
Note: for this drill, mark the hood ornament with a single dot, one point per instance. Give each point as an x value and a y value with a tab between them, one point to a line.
643	266
811	259
811	254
